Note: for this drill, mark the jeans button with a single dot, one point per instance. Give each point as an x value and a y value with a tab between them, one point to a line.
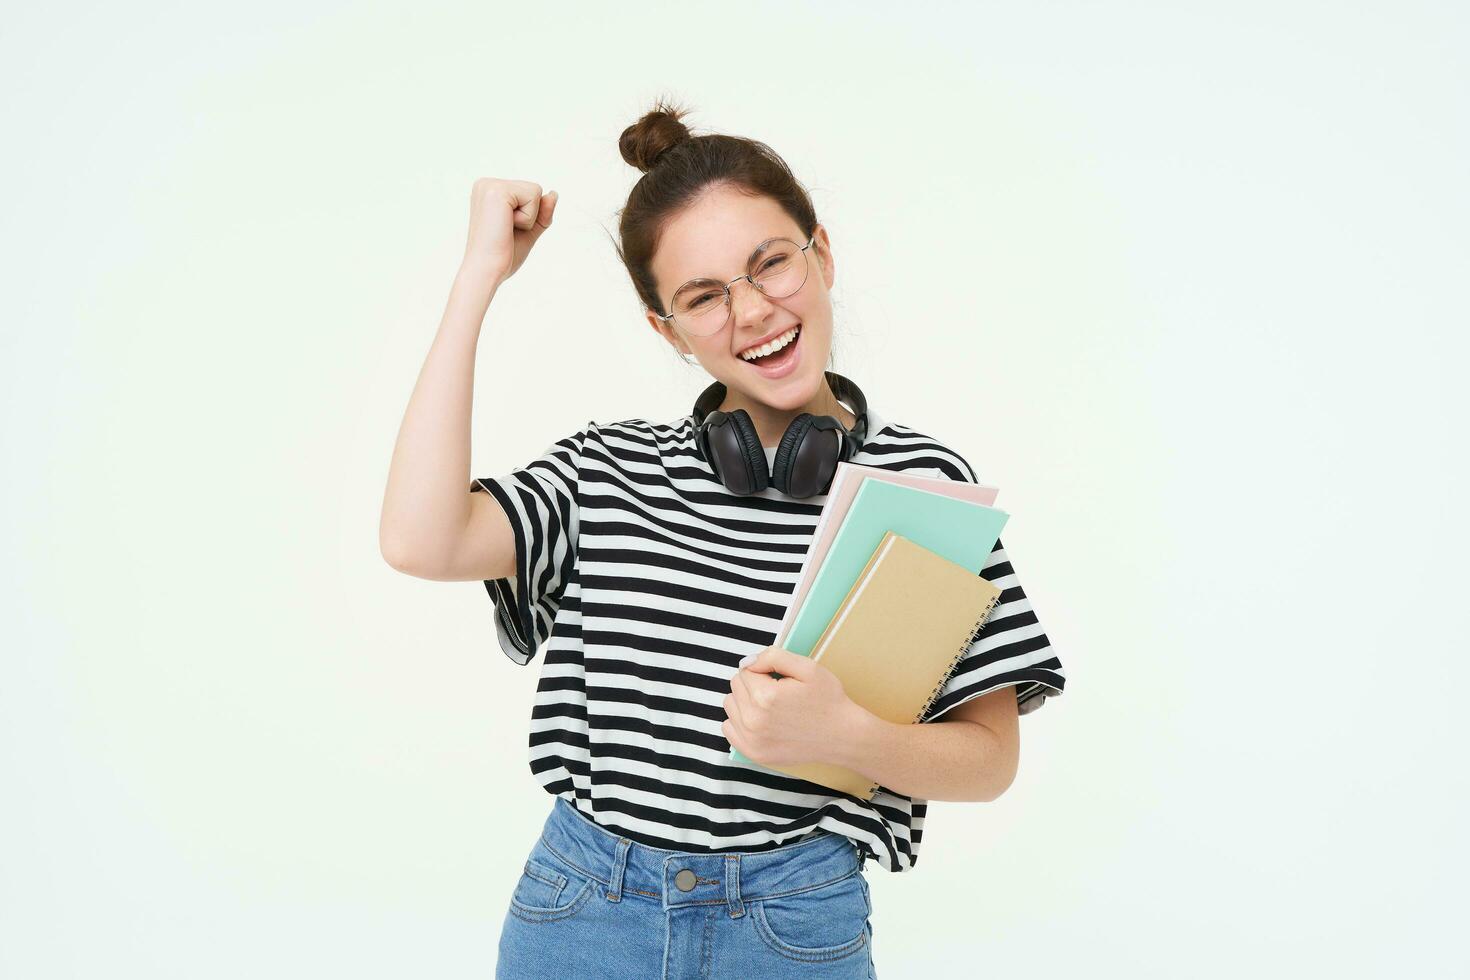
685	880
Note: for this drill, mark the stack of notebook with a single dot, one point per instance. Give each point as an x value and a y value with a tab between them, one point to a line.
891	595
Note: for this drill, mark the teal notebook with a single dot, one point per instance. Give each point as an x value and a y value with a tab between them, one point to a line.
960	530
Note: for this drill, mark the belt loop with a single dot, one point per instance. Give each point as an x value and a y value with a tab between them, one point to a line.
732	885
620	862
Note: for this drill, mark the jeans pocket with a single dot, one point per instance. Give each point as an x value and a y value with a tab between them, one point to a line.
823	923
549	888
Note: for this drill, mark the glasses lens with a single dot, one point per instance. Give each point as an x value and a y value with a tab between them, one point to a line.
700	308
780	269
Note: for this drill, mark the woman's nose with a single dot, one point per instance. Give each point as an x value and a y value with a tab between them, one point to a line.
748	304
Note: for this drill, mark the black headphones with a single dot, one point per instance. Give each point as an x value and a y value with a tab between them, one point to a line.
805	460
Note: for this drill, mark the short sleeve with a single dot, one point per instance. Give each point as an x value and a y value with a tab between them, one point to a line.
1011	648
541	500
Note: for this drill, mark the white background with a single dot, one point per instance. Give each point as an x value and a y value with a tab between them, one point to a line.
1187	281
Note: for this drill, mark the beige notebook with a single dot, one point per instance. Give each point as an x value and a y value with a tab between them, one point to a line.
896	639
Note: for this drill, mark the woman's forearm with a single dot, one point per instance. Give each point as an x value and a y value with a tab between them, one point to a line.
938	760
426	503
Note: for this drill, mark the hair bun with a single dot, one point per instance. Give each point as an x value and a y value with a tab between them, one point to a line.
653	135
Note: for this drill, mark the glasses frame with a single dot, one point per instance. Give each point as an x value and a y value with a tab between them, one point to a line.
729	305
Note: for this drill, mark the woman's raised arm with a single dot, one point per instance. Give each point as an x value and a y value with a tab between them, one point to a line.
431	525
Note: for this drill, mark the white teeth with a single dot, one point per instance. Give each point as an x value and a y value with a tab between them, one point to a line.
771	347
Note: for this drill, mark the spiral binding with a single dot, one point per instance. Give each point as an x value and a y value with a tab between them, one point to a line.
948	671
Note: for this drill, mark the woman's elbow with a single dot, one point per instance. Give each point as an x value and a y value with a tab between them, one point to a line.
1001	775
400	558
403	557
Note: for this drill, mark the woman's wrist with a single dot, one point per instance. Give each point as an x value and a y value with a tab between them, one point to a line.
861	731
473	289
476	273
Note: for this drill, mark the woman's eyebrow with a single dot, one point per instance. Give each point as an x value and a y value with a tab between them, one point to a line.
763	244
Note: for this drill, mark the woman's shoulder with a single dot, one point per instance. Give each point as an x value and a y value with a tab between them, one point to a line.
645	429
639	440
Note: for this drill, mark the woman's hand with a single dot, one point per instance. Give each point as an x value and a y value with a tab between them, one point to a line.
796	718
506	219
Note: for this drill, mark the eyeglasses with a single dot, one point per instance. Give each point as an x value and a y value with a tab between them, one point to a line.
701	307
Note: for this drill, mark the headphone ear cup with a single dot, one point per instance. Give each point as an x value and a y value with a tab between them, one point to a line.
808	456
752	476
704	438
788	451
726	440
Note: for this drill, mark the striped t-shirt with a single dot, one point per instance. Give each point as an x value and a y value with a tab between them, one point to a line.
642	581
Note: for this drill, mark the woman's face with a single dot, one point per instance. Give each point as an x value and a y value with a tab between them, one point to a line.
714	239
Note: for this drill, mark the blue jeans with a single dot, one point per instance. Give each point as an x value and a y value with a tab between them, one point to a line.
591	903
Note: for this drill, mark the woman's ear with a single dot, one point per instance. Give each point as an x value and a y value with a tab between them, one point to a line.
666	332
823	248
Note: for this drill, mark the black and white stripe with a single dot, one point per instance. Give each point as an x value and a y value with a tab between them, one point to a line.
643	582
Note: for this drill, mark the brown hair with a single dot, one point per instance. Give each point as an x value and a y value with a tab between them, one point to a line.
677	168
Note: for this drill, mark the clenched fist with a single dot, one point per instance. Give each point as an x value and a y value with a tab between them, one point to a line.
506	219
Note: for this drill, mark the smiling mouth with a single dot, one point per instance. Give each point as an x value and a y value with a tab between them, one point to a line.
776	356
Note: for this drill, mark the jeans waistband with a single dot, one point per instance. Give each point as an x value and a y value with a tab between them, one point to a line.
679	878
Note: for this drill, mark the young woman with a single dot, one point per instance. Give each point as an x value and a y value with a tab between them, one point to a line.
651	563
